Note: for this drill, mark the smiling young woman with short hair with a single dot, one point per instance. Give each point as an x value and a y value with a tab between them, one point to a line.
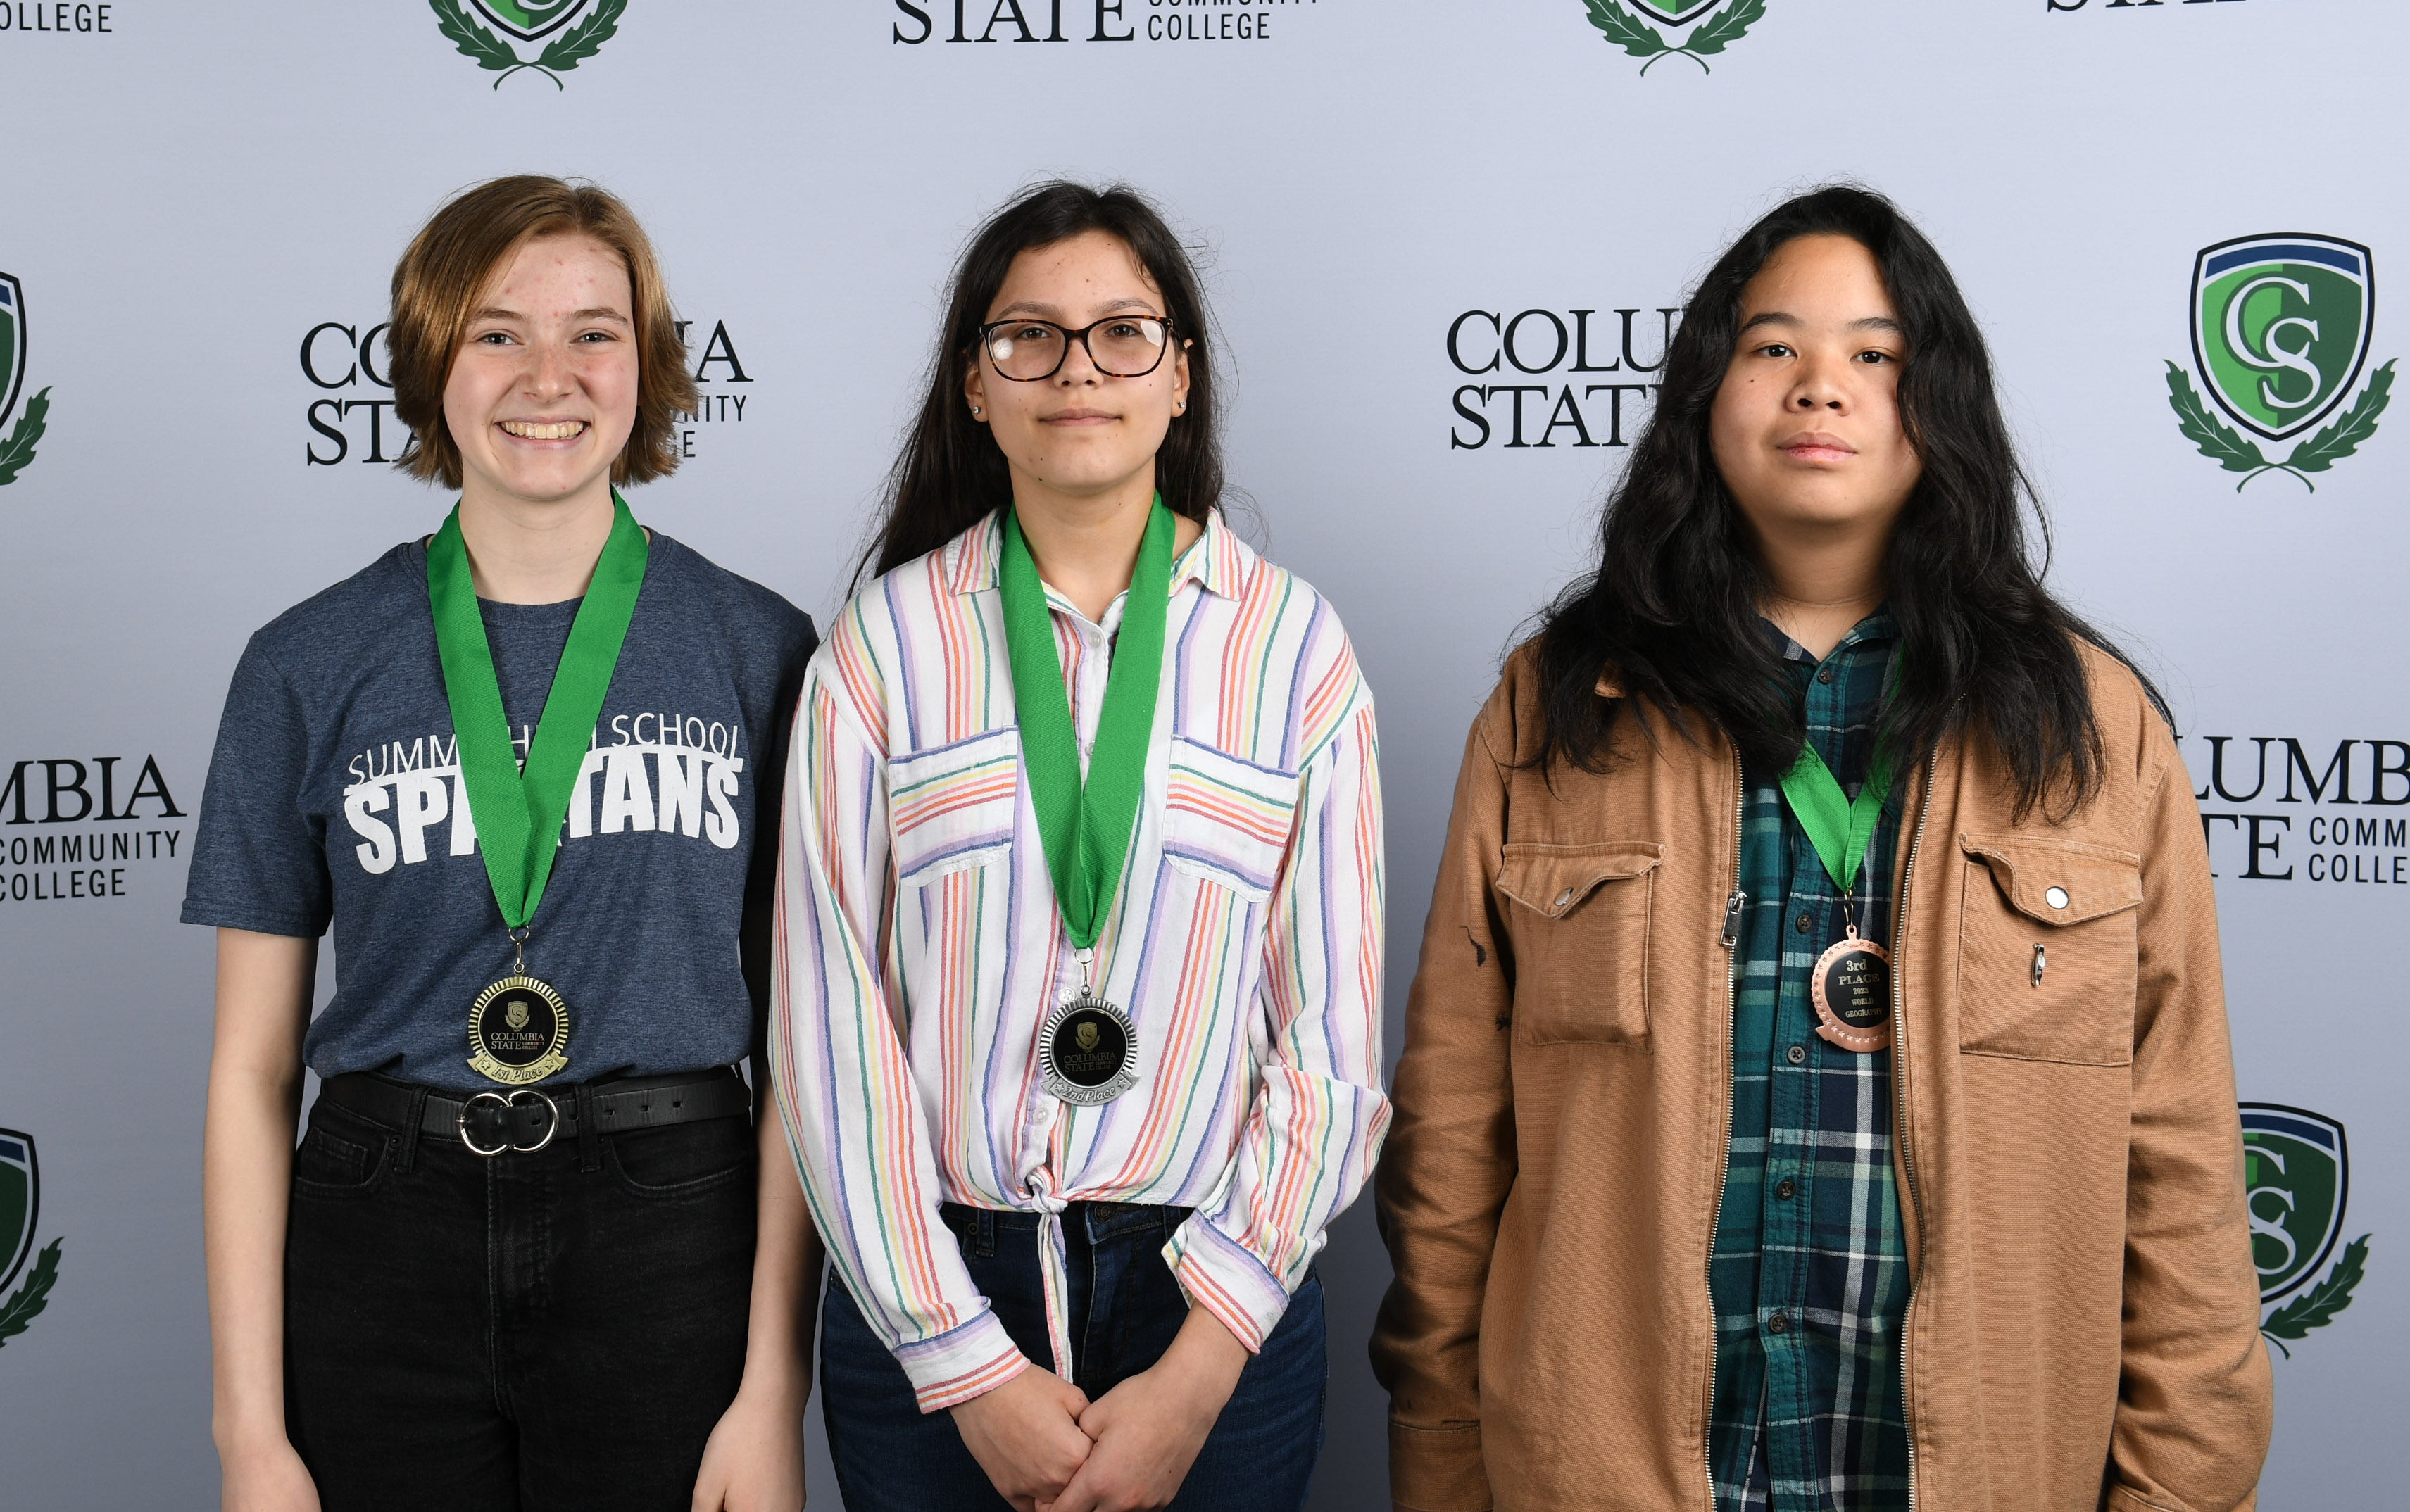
551	1271
1817	1091
1080	994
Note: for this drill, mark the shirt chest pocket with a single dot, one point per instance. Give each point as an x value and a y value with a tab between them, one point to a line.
1226	821
1577	919
2047	951
953	808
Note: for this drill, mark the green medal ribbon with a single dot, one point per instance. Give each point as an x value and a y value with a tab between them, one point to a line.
518	812
1837	827
1086	827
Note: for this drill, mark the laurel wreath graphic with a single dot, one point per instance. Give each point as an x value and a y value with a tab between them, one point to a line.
2237	453
2317	1307
1642	41
21	1309
565	51
19	448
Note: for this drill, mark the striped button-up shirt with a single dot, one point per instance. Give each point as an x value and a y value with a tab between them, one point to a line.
1810	1273
921	948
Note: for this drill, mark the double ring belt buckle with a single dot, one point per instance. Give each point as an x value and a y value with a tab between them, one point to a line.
508	1146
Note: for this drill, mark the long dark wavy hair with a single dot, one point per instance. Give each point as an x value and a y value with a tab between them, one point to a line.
951	473
1672	609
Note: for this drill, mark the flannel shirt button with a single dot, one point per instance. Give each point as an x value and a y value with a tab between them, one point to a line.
1804	923
1784	1188
1797	1054
1778	1323
1824	676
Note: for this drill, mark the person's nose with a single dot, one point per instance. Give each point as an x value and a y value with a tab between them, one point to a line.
1818	386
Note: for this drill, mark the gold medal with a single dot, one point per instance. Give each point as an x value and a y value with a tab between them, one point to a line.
1852	986
518	1031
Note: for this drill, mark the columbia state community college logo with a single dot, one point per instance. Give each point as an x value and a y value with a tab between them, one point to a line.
2296	1173
2280	331
1628	27
18	449
21	1208
572	31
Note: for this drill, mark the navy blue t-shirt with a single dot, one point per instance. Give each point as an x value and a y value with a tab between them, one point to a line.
335	796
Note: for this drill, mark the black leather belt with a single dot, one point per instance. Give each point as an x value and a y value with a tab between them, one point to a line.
523	1120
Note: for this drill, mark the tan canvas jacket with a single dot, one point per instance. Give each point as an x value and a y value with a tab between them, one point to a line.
2083	1329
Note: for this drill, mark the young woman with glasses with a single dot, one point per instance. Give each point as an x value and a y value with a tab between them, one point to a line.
1081	922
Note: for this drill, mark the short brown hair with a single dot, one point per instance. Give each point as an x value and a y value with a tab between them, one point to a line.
435	289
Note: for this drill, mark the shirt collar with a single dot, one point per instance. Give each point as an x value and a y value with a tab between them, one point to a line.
1218	561
1875	627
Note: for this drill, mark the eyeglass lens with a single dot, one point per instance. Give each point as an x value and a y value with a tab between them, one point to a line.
1128	346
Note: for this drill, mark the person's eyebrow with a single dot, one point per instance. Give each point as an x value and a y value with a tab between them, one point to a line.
596	312
1041	310
1778	317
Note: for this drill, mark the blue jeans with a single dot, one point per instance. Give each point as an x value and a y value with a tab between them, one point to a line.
1126	1307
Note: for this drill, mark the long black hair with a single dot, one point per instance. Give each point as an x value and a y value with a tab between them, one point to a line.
951	473
1671	610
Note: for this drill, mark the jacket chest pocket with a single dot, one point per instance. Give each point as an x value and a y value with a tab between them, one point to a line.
953	808
2047	952
1578	922
1226	821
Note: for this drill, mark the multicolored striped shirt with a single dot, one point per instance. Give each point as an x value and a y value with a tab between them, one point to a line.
921	948
1810	1273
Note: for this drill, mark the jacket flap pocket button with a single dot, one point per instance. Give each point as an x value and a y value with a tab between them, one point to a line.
1554	879
2056	897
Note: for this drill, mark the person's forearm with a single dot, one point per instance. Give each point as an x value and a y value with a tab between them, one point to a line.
246	1167
786	1263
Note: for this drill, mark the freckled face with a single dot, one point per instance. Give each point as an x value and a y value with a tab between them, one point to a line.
1805	429
1082	430
542	397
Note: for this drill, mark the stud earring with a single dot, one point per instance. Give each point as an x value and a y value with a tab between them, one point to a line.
975	409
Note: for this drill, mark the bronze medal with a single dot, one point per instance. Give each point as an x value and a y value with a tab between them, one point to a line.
1852	985
1088	1051
518	1031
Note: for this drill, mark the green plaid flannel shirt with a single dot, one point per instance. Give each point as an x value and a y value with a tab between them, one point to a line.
1809	1272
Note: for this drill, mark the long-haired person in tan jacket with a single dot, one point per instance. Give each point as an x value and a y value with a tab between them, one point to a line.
1817	1091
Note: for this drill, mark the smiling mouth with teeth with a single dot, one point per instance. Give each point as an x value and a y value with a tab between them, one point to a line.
531	431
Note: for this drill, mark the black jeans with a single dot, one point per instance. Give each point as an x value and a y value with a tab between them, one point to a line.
1126	1307
491	1335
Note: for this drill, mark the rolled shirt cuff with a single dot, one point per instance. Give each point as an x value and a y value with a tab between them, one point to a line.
961	1364
1228	1280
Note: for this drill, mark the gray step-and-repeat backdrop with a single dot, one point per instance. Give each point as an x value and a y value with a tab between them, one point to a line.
1445	243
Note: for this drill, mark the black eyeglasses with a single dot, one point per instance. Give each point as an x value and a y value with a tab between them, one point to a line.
1121	346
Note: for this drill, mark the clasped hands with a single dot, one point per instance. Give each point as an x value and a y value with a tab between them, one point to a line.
1048	1448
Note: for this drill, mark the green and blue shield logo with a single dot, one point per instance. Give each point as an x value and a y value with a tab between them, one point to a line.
529	19
575	30
2280	328
1628	27
20	1207
18	449
1676	13
20	1201
2296	1169
2297	1183
12	343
